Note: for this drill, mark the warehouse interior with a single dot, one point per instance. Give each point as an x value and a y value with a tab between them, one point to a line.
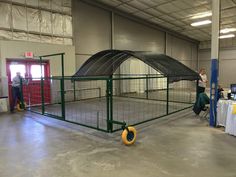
95	73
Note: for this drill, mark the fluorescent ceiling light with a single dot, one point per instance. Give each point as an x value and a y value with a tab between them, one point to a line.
227	30
201	15
204	22
227	36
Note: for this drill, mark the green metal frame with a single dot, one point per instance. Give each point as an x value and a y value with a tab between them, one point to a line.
167	96
109	96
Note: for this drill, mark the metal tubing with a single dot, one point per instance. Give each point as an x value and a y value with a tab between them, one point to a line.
153	119
62	99
167	96
58	118
132	78
108	106
62	65
151	99
51	55
111	104
42	87
118	122
197	89
74	90
147	87
63	114
21	94
97	119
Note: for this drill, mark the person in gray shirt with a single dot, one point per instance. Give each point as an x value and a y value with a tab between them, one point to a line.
16	90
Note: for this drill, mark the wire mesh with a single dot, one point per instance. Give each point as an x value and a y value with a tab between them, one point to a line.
101	103
32	95
86	103
136	100
41	96
181	95
52	97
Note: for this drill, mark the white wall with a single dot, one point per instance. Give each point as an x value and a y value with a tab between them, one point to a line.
92	28
16	49
184	51
130	35
227	65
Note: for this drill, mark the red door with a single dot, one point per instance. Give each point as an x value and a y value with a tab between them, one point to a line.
30	70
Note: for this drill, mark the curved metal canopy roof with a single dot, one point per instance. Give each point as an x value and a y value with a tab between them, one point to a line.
106	62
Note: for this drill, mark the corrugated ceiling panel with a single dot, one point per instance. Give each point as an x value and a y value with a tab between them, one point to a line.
178	23
148	3
178	12
154	11
180	4
229	20
227	4
176	28
111	2
157	20
167	8
143	15
127	8
138	4
228	12
168	25
168	18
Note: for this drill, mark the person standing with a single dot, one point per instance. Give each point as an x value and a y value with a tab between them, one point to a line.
202	82
16	90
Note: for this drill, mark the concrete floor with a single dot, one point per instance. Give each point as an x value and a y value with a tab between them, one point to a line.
180	145
93	112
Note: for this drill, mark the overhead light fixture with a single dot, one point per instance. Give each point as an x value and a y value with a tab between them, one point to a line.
201	15
200	23
227	30
227	36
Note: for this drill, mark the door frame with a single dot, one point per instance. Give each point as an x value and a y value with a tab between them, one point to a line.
30	60
28	74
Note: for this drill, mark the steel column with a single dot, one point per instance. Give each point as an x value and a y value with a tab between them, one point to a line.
214	60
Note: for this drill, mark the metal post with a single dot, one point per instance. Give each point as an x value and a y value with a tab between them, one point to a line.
63	112
74	90
21	94
214	60
62	99
197	89
167	96
42	86
109	105
147	87
62	82
62	65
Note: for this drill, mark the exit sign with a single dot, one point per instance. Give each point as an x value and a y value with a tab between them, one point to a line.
29	55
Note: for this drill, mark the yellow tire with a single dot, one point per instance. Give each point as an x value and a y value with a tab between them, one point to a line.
129	137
